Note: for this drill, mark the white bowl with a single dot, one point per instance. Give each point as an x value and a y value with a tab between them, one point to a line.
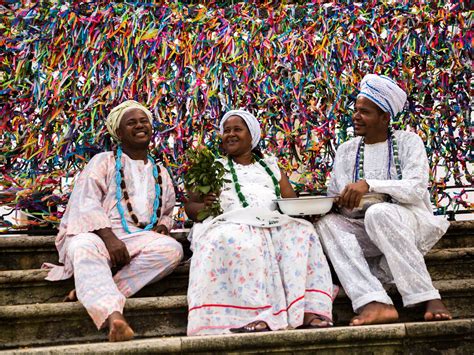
309	205
367	200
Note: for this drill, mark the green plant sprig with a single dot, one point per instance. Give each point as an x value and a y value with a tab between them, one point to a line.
205	175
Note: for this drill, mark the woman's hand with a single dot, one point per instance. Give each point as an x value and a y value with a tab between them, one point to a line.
197	203
209	199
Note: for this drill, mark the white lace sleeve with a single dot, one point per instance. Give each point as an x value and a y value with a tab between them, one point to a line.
415	172
341	171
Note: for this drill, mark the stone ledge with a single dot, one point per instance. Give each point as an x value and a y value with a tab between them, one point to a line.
29	252
449	254
24	240
44	324
29	286
447	337
32	311
37	275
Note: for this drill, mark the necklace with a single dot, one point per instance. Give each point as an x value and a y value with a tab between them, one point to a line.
392	151
242	199
122	188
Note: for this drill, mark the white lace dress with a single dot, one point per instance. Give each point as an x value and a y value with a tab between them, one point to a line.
254	263
388	244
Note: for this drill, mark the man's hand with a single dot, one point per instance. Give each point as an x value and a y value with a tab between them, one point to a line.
118	252
352	194
162	229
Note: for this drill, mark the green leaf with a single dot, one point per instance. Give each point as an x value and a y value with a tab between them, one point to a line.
203	214
204	189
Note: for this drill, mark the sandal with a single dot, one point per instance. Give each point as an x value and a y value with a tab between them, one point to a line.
324	323
253	327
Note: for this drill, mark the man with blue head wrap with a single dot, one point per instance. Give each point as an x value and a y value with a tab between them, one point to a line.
385	243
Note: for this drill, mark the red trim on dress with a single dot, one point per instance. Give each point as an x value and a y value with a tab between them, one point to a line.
262	307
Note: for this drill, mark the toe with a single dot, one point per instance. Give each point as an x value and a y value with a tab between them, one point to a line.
356	321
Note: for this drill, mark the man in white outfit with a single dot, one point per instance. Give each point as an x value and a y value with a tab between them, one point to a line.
387	243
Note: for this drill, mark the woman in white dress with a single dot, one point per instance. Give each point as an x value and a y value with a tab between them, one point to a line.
254	269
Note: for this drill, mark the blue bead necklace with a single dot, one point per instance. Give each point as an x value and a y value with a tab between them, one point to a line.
121	187
392	153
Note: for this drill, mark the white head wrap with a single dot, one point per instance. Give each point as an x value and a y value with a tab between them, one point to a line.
251	121
384	92
115	116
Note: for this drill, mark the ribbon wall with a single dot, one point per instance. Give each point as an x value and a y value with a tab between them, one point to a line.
65	64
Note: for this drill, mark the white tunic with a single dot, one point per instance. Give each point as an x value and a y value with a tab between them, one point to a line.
410	192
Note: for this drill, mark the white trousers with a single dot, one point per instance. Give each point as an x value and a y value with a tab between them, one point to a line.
153	256
386	235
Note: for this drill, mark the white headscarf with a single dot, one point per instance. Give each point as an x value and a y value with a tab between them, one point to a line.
115	116
251	121
384	92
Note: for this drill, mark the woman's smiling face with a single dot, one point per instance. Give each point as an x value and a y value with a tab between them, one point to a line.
236	138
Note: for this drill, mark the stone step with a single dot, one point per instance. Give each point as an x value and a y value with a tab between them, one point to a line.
459	235
450	337
21	252
29	286
62	323
455	263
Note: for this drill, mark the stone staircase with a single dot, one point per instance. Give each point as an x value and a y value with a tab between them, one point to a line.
34	320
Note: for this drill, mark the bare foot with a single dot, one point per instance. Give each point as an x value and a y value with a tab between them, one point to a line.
436	310
71	296
375	313
119	328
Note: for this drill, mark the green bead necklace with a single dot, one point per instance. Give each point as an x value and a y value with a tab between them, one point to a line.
241	196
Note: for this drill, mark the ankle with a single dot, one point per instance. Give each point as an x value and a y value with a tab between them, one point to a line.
115	316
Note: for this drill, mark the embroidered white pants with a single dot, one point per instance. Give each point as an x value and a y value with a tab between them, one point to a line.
153	256
388	230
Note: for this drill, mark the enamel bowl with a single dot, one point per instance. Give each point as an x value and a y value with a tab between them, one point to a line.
366	201
309	205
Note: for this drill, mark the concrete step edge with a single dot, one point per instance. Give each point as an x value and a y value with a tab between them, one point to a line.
23	240
162	303
449	253
338	337
42	310
38	275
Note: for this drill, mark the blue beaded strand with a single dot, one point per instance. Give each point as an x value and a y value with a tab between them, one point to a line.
118	193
